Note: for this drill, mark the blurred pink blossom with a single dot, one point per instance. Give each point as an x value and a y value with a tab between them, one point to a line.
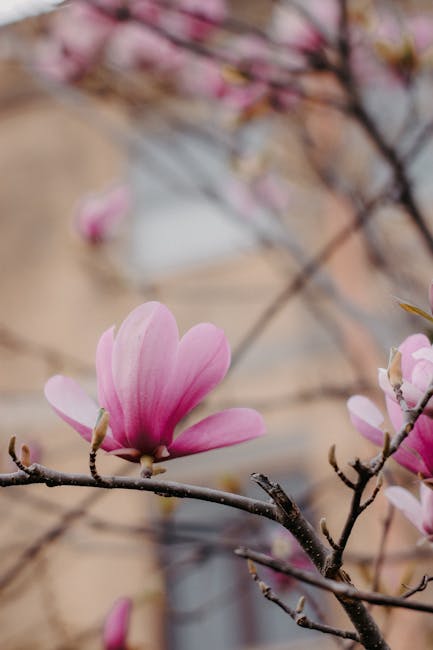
194	19
202	77
98	215
265	191
305	30
285	547
117	624
402	43
148	381
416	452
133	46
56	63
419	513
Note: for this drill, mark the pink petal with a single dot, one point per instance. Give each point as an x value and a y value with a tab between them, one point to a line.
75	407
409	453
72	404
410	392
221	429
117	624
366	418
407	348
426	496
407	503
107	395
202	361
144	354
422	375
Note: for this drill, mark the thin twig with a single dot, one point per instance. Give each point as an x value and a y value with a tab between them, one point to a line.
297	614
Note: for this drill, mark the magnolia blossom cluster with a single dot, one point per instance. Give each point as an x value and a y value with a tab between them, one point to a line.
246	73
416	451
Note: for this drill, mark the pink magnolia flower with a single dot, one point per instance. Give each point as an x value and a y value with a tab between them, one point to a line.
285	547
117	624
419	513
148	381
416	452
98	215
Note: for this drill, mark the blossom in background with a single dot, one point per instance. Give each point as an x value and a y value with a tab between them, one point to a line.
404	45
285	547
419	513
416	452
194	19
78	35
308	28
117	624
148	381
135	46
98	215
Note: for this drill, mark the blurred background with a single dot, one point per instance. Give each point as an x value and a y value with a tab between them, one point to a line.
274	163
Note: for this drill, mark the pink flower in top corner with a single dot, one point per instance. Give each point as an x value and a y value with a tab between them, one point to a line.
305	30
149	380
416	452
419	513
117	624
98	215
285	547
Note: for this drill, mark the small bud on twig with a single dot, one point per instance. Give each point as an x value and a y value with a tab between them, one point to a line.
11	448
300	606
394	370
252	570
100	430
25	455
21	464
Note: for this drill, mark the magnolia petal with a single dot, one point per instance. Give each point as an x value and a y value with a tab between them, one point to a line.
408	504
75	407
410	392
202	361
72	404
410	345
424	353
221	429
408	455
143	362
366	418
117	624
426	498
107	395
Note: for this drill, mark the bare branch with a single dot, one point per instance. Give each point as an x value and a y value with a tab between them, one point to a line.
339	589
297	614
